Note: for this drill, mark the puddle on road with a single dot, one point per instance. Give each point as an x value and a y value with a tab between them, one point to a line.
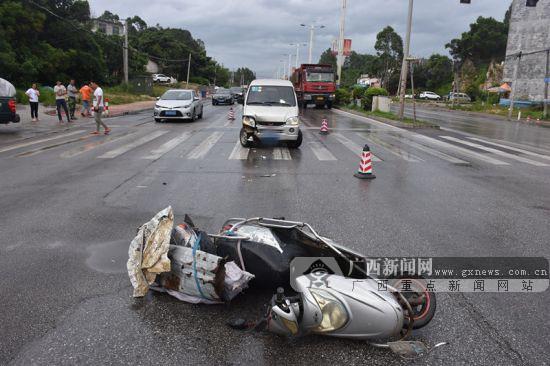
110	257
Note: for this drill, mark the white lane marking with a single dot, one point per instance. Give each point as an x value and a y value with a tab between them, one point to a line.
167	146
132	145
281	153
459	149
436	153
526	152
321	152
92	145
25	144
382	125
504	142
200	151
352	146
239	152
495	151
391	148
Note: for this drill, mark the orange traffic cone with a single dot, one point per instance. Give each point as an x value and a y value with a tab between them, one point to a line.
324	127
231	114
365	166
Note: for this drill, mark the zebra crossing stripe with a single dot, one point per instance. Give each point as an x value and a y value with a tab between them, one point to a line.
321	152
461	150
239	152
436	153
495	151
205	146
30	143
167	146
132	145
281	153
392	149
352	146
508	147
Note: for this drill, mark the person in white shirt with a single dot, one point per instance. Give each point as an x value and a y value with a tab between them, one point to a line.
99	104
33	93
60	92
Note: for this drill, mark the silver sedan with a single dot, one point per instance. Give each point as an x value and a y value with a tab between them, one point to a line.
178	104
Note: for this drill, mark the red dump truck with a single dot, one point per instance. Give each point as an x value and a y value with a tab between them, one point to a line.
314	84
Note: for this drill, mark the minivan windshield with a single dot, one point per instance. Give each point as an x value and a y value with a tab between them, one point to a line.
177	95
271	95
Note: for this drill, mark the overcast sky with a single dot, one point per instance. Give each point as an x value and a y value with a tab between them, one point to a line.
256	33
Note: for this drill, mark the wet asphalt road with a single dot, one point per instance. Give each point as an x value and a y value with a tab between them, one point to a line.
71	204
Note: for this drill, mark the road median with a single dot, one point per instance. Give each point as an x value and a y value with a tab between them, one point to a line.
390	119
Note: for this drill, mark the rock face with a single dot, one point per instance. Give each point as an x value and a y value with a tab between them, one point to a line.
529	32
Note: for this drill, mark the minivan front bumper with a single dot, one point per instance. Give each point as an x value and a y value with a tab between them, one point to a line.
279	133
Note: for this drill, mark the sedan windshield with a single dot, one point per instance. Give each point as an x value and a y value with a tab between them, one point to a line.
320	76
271	95
177	95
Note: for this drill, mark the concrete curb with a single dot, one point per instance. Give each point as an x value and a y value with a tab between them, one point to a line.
391	122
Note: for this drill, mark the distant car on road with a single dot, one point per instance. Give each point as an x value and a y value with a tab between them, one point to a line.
237	92
7	103
459	97
429	95
178	104
222	96
161	78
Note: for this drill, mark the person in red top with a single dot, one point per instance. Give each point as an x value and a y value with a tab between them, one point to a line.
86	96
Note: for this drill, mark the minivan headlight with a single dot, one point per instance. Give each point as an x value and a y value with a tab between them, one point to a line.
249	121
293	121
333	311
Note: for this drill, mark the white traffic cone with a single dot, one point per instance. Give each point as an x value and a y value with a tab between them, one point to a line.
231	114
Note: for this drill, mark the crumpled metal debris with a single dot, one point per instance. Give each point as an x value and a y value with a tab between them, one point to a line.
148	252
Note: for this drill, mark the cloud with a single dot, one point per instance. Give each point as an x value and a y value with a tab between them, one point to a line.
256	33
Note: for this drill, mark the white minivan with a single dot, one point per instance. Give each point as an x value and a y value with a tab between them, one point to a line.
270	113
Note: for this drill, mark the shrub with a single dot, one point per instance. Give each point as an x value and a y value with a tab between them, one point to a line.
366	100
342	97
357	92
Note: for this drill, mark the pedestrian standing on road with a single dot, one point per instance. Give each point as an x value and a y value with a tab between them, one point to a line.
99	105
60	93
33	93
72	92
86	96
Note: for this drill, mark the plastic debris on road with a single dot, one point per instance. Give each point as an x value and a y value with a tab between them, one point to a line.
148	252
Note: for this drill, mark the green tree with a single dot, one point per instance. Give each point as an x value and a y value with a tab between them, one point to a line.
483	43
328	58
243	75
389	48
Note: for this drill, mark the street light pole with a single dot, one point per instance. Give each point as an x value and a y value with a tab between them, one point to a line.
311	31
340	59
297	44
289	64
403	81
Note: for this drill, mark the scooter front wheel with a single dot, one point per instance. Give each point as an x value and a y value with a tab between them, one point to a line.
422	301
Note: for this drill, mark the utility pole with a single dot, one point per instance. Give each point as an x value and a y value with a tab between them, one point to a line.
125	52
188	70
340	58
546	82
215	72
284	67
514	85
403	81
